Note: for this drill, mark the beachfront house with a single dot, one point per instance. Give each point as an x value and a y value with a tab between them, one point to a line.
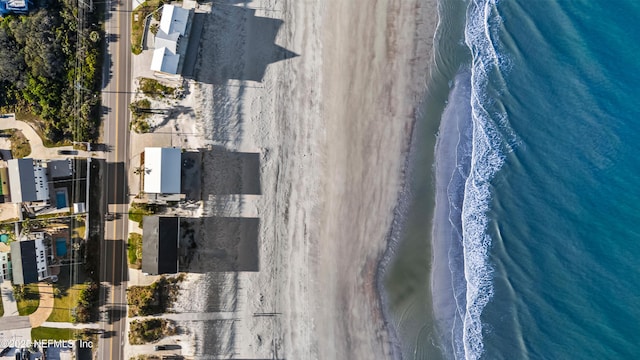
160	245
27	180
30	259
162	170
171	40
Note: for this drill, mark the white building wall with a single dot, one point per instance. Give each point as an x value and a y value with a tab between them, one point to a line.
5	271
41	256
42	184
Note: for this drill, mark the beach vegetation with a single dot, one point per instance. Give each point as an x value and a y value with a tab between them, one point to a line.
155	89
139	210
153	299
141	111
150	330
134	250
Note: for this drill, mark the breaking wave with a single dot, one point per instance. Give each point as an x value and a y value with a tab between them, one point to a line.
491	139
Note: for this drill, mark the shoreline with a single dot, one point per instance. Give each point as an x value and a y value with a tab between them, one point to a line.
423	121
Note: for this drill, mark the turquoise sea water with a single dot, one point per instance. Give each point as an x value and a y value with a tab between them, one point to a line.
536	234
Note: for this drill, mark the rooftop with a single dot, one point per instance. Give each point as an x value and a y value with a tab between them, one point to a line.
160	245
162	170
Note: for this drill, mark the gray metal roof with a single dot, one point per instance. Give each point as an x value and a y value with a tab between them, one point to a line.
24	262
160	245
22	181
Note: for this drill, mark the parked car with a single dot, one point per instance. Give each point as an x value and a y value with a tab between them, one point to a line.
5	351
160	347
109	216
104	316
67	152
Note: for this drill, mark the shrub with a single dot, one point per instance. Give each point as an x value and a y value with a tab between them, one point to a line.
151	330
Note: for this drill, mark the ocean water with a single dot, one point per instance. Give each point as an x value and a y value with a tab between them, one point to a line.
536	229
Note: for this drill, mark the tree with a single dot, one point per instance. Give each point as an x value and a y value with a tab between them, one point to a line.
11	60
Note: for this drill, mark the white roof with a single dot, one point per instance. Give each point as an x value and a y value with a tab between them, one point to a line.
162	170
164	60
174	19
168	41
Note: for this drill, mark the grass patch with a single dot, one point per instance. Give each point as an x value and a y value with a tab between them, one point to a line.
137	23
20	146
46	333
151	330
155	89
27	298
134	250
1	309
138	210
65	300
79	231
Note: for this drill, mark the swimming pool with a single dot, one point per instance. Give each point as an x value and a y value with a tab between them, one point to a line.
61	199
61	247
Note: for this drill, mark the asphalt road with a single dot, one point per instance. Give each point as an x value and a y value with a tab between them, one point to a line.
115	101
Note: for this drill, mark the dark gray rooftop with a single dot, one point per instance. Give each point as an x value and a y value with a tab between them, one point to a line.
160	245
60	168
24	262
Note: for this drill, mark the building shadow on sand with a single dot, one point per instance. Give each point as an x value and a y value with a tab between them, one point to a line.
217	244
235	45
223	172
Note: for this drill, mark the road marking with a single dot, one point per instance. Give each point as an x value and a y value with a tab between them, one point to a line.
116	112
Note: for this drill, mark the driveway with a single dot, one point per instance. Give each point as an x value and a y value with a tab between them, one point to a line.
45	308
8	301
38	150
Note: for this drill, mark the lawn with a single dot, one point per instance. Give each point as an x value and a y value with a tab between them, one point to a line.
65	302
28	299
137	23
134	250
46	333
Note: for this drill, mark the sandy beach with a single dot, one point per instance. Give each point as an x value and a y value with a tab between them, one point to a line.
317	102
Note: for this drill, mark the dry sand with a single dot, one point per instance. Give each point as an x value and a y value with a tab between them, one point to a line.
330	130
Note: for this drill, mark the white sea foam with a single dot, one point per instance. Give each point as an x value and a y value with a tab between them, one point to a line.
491	137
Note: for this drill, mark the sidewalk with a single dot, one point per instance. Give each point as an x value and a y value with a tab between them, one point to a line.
68	325
8	301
